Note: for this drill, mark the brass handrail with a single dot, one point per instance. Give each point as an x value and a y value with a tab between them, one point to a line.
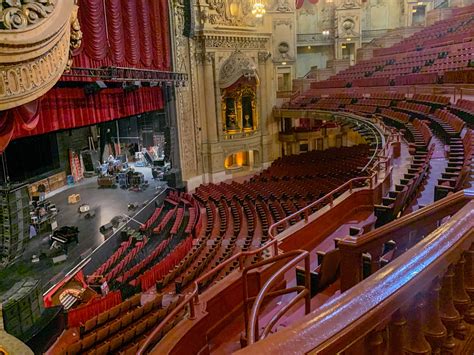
251	326
349	317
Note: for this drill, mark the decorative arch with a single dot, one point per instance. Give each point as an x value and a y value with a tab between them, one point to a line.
237	66
238	80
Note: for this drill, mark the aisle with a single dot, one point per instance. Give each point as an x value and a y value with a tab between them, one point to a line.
438	163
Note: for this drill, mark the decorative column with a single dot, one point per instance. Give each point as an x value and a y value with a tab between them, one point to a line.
201	95
209	89
262	96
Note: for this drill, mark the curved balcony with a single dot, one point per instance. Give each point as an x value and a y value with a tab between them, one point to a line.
35	41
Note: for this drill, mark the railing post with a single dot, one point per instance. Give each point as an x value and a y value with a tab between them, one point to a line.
275	248
375	342
307	272
396	329
416	342
192	310
449	314
460	297
435	331
469	282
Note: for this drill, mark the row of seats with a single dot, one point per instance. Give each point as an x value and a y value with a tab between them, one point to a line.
447	124
258	202
124	248
459	165
397	200
124	333
150	222
419	59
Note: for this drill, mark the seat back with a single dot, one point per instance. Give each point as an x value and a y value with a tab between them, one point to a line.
329	268
103	349
116	342
74	348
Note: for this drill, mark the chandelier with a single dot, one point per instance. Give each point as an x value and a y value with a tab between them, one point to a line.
258	9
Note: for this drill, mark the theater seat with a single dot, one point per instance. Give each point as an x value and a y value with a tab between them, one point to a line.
74	348
325	274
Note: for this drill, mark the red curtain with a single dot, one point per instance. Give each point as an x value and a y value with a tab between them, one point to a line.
78	316
126	33
66	108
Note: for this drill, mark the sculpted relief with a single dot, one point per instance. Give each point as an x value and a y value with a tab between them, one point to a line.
228	12
18	14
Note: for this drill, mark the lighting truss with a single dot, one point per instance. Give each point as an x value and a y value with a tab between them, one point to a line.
124	75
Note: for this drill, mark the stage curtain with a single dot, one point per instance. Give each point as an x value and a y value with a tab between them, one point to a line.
132	45
165	35
92	18
124	33
115	30
7	125
156	36
67	108
146	48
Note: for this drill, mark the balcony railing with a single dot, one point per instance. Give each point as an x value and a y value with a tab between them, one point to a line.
313	39
420	302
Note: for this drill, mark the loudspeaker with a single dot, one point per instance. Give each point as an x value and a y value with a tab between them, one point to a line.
173	178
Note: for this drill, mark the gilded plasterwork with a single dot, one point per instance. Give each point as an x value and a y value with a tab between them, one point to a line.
31	65
19	14
76	36
186	110
18	81
236	66
228	12
233	42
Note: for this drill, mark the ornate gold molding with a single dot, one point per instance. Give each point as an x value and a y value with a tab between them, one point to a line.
19	14
234	42
35	53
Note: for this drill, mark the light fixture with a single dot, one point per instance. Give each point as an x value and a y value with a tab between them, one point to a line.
283	63
258	9
420	3
326	33
414	10
348	39
309	47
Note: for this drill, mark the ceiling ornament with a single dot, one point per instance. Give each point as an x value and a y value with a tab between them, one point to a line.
19	14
